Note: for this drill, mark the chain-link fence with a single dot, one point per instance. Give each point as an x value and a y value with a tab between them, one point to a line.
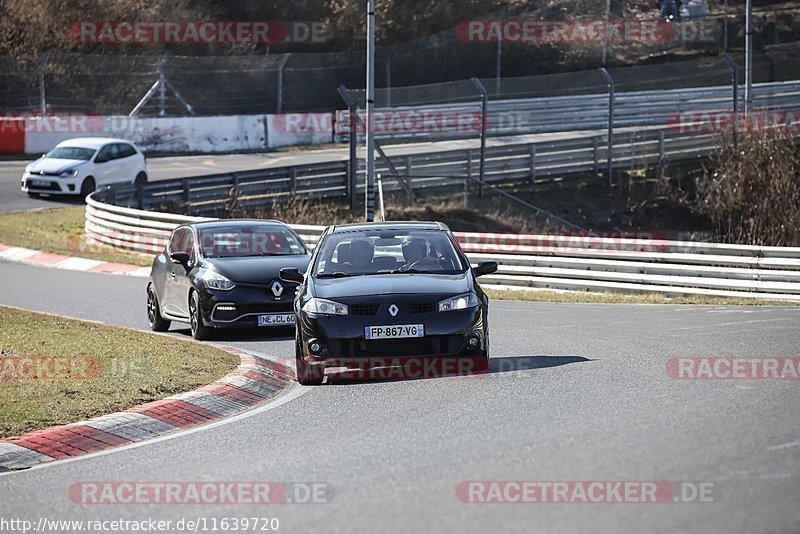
511	56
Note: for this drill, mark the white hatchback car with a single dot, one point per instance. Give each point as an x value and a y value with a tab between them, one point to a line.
82	165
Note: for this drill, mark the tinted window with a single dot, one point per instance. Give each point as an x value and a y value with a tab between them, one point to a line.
105	154
388	251
71	152
241	240
125	151
179	241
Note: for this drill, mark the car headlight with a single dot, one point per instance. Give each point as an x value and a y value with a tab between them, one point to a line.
69	174
215	280
461	302
325	307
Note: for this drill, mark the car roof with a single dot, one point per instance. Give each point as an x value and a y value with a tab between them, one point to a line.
92	142
392	225
234	222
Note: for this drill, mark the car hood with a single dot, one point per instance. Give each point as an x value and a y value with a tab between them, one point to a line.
393	284
257	269
53	165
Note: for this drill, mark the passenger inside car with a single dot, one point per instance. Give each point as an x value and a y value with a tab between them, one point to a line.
361	253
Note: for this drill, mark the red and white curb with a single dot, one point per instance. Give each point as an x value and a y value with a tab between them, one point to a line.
254	382
71	263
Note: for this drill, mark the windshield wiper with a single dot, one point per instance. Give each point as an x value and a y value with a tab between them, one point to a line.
337	274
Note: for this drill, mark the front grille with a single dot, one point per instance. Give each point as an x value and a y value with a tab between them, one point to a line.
408	347
421	307
364	309
249	309
52	187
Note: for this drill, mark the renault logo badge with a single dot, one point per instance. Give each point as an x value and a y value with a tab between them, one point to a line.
277	288
393	309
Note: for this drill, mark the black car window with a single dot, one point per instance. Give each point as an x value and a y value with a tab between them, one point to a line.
176	241
252	239
71	152
125	151
382	251
104	154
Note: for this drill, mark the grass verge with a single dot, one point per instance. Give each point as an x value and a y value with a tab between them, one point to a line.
582	297
55	370
60	231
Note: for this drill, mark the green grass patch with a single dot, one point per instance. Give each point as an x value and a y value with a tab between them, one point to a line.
60	231
55	370
582	297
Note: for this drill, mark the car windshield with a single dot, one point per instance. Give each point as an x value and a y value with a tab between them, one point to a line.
239	241
383	251
70	152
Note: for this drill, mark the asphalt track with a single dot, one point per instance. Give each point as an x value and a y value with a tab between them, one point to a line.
576	392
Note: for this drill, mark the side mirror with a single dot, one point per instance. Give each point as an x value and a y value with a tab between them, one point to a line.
485	267
180	257
291	274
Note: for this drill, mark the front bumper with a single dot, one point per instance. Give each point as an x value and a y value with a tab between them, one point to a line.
343	342
50	184
248	302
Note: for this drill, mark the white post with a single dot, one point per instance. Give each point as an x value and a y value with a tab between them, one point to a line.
380	198
369	207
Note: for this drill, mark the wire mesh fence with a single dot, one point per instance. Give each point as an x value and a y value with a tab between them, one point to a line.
514	57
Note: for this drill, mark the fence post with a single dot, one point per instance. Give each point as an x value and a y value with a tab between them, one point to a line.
42	94
389	76
484	106
353	167
186	190
735	83
140	196
279	94
610	147
662	155
532	150
596	150
293	179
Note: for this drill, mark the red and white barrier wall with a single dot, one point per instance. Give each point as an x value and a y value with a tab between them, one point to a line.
179	135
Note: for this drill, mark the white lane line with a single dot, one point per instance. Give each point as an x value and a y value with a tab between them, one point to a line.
795	443
736	323
294	392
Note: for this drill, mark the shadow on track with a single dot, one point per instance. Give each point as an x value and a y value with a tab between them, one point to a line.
433	371
244	334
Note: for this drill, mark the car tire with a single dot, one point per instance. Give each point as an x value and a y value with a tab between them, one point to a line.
141	179
200	331
87	187
307	375
157	322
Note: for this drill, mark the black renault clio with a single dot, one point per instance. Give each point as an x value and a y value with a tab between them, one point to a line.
382	293
225	273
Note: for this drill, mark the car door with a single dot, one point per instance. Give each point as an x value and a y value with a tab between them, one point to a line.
183	275
104	166
174	273
127	163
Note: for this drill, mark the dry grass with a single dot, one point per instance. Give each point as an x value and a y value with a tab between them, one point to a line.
59	231
123	368
753	192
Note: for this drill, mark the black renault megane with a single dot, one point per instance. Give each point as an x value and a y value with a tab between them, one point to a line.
383	293
221	274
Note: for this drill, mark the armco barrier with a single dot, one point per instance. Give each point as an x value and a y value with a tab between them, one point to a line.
572	262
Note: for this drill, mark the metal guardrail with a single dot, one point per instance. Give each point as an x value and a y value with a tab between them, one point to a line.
536	164
642	136
590	112
572	262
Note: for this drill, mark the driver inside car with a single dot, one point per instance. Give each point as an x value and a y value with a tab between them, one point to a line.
415	252
361	253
